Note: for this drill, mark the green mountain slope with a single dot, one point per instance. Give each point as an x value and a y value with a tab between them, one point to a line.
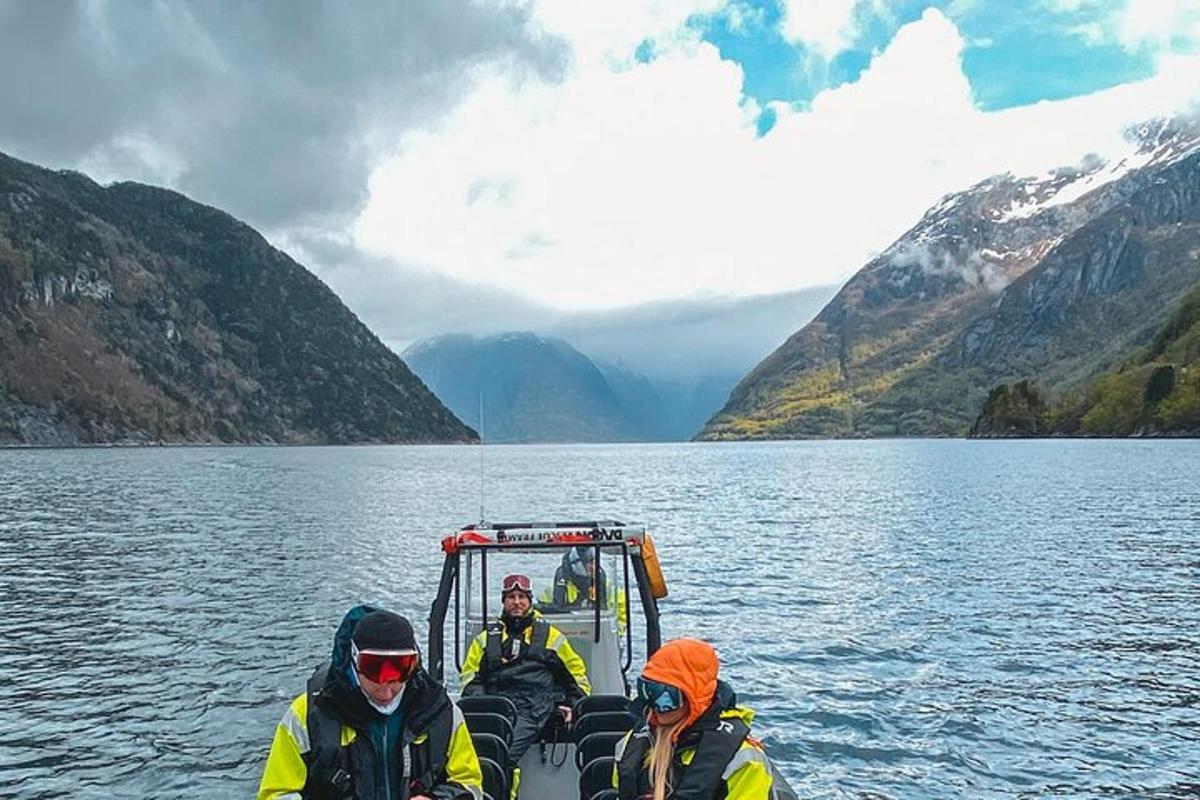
130	313
1157	392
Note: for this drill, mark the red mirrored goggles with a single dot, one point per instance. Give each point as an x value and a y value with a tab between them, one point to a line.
515	582
385	666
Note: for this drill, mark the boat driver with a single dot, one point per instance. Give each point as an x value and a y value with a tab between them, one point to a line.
524	658
579	581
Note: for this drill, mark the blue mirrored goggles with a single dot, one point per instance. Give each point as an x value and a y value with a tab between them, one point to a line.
662	697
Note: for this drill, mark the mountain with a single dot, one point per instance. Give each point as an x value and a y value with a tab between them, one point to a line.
1155	393
702	346
1056	278
640	402
533	389
132	314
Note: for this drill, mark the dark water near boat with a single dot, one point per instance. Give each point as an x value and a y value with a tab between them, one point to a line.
909	618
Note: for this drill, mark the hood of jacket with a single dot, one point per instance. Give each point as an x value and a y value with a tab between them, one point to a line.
691	666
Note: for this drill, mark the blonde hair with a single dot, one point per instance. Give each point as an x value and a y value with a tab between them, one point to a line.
659	758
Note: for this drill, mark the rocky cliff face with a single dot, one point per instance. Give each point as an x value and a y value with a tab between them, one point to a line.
1156	392
1055	277
130	313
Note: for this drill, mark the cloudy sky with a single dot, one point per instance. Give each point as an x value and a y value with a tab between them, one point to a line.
447	165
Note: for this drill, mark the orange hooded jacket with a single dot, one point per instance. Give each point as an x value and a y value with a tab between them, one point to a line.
690	665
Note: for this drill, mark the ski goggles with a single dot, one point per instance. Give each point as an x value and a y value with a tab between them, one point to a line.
384	666
661	697
516	583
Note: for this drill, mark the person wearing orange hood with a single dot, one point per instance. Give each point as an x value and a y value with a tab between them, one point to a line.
695	741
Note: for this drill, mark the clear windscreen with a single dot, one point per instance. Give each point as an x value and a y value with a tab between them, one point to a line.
567	584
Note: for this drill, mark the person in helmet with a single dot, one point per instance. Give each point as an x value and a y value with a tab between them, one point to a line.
694	740
527	660
578	581
372	724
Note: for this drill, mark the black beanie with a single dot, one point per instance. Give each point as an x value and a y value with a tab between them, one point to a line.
383	630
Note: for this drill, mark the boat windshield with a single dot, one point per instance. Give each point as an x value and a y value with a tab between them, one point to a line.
583	591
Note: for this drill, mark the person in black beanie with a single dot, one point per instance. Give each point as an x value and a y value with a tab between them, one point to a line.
344	737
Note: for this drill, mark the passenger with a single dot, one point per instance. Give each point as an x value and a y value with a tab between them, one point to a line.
344	736
579	580
695	741
527	660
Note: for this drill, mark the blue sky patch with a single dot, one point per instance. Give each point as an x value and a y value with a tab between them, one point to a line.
1016	52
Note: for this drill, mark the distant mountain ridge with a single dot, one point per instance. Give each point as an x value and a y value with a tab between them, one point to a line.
133	314
1055	277
533	389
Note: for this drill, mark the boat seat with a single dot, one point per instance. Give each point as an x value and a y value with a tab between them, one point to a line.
598	721
495	778
602	743
489	722
490	746
489	703
601	702
596	777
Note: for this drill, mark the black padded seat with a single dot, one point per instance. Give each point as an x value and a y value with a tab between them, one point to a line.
495	778
489	703
596	777
601	702
488	722
602	743
489	745
598	721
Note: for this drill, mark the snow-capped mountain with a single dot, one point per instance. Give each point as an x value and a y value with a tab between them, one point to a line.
1055	275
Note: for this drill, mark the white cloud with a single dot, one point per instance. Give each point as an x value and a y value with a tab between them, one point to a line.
827	26
647	181
1160	24
612	30
1092	33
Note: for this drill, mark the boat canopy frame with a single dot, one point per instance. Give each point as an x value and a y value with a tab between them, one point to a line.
485	538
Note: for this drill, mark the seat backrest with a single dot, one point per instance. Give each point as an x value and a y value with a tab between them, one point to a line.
603	721
489	703
491	746
495	778
596	777
594	745
488	722
601	702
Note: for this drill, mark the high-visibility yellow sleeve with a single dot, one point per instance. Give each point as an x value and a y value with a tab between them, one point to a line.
618	752
748	775
571	660
462	764
285	772
470	667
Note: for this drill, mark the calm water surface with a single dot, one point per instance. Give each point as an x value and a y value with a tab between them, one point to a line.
909	618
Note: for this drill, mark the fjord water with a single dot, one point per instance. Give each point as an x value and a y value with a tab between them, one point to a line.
910	619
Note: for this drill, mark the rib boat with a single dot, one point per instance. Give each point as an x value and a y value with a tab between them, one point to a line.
611	636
